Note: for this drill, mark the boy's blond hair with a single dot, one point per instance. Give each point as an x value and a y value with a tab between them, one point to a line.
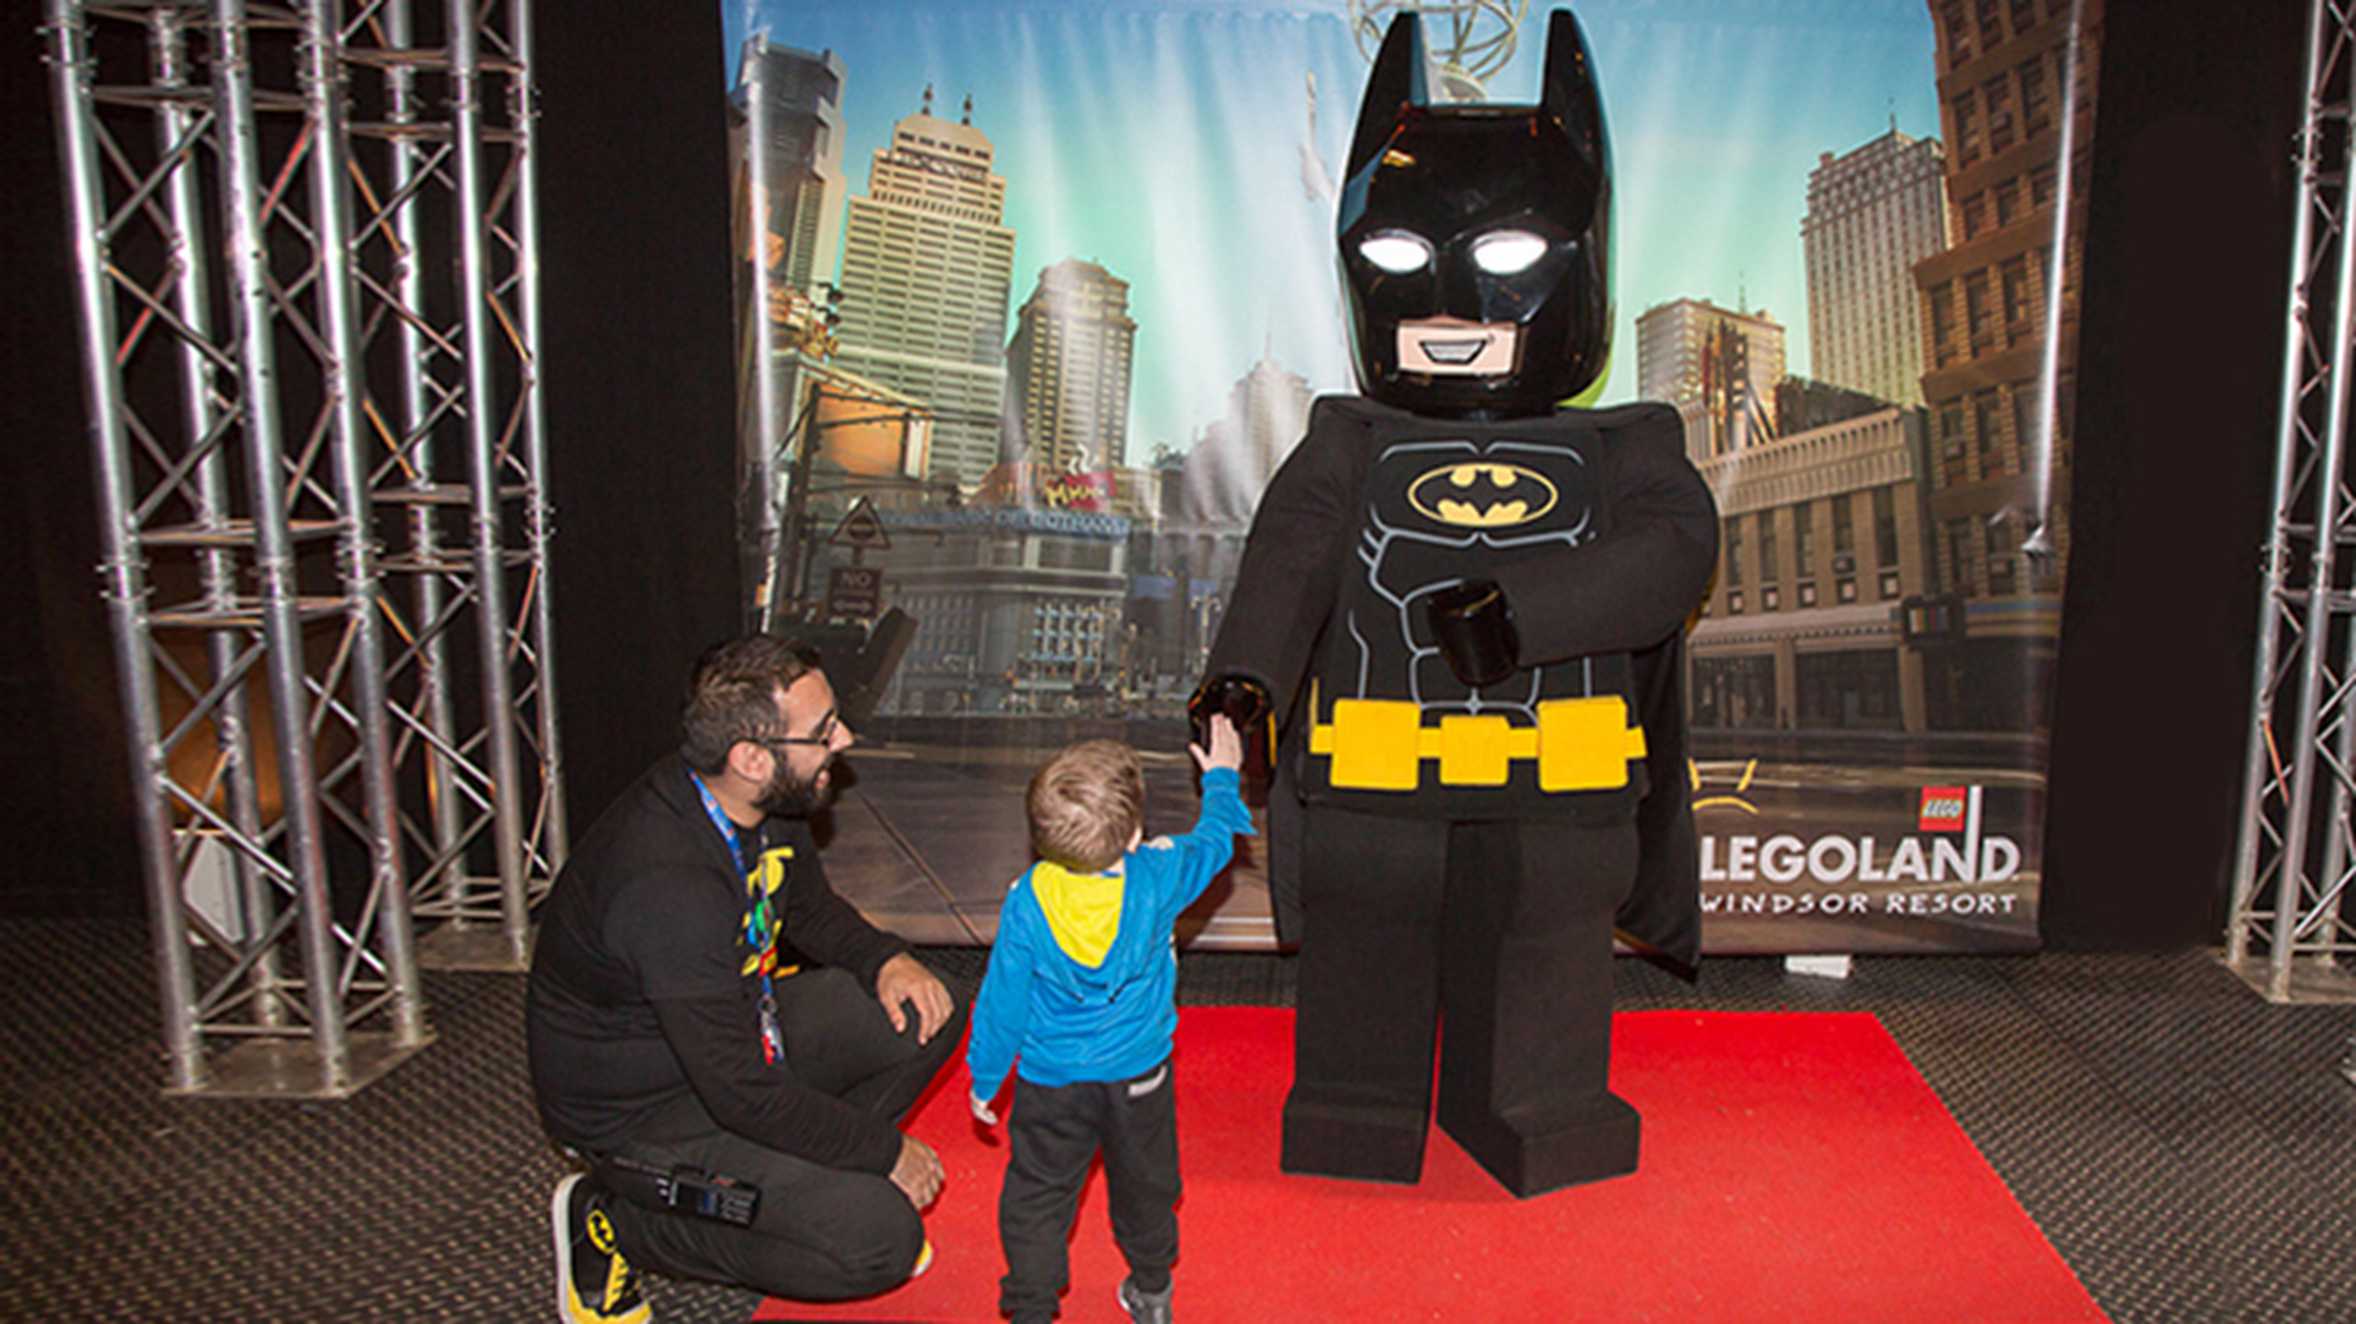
1086	805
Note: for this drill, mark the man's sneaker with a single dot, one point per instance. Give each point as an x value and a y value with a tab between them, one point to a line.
594	1284
1145	1307
924	1260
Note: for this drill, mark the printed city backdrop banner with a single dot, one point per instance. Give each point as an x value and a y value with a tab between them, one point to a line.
1033	297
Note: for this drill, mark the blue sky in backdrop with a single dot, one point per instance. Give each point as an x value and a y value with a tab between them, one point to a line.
1174	142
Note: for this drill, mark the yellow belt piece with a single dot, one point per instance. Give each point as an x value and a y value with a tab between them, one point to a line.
1380	745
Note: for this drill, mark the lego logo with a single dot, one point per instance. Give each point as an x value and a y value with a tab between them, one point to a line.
1942	809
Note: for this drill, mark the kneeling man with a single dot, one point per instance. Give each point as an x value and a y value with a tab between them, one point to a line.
728	1045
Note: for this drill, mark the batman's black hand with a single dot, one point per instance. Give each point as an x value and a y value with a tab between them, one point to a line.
1474	626
1245	702
1242	699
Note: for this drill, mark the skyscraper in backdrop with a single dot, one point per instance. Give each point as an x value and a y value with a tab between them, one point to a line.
1068	370
785	130
1998	333
1718	366
795	96
1233	459
927	268
1872	214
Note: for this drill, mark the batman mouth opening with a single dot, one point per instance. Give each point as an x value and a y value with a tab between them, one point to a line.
1457	352
1453	347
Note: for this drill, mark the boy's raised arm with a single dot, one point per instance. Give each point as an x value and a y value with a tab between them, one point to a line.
1206	849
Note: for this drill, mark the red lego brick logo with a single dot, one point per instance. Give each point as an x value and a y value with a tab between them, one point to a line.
1942	809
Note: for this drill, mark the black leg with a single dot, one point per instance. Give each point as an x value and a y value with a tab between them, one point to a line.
1368	996
1527	985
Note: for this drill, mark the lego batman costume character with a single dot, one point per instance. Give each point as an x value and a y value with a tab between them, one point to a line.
1463	606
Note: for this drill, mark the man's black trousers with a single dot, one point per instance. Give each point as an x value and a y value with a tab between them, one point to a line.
820	1234
1054	1132
1500	935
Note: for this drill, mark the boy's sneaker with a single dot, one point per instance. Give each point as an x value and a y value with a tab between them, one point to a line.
1145	1307
594	1284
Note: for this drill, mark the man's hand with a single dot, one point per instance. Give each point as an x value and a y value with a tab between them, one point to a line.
904	979
1226	749
918	1173
980	1107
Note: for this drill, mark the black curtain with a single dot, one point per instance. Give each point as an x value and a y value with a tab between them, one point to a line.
641	412
65	797
2179	370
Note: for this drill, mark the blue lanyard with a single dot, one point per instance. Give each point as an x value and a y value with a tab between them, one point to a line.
760	925
721	821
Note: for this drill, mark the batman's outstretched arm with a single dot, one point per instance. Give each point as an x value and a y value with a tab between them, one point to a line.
1286	583
1633	587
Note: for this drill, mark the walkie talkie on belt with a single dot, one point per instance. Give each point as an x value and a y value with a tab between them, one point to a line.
697	1191
710	1195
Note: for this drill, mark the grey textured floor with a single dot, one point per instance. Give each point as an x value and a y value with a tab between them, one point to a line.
2190	1150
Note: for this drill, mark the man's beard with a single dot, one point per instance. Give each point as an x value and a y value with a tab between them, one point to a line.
793	797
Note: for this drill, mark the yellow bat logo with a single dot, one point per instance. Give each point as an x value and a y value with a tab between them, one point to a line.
1481	495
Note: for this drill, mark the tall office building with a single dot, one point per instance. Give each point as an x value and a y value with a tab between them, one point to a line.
1068	370
1999	457
1232	461
1718	366
785	131
927	267
1872	214
792	99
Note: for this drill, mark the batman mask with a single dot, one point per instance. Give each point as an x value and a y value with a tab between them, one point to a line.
1475	239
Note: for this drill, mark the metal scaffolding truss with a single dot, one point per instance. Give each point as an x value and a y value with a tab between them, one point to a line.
233	309
222	406
444	132
2289	930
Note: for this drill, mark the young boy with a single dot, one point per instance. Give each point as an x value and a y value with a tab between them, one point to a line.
1080	990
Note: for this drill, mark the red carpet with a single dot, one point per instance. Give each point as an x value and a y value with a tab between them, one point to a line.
1795	1168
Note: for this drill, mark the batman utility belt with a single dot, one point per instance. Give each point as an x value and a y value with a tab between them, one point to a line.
1382	744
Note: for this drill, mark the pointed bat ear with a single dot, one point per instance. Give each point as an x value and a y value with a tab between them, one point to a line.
1397	81
1569	91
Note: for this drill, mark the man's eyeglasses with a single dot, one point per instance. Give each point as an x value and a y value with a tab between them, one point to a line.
823	736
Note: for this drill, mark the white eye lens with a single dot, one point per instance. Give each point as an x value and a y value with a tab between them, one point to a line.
1507	251
1395	251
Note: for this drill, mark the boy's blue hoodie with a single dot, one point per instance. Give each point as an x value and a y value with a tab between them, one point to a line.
1083	975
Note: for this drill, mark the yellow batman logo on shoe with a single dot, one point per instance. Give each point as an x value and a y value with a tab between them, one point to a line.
1481	494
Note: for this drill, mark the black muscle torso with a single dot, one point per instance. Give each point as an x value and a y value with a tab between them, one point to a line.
1444	502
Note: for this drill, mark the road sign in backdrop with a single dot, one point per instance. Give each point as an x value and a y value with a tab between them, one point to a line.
854	590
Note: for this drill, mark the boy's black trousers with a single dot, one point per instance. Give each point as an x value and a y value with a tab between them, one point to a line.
1053	1133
